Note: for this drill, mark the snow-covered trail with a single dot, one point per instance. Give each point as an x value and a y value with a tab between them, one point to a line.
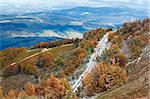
102	45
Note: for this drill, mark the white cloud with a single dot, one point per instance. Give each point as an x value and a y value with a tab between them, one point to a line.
137	4
76	23
22	34
68	34
73	34
40	5
4	21
49	33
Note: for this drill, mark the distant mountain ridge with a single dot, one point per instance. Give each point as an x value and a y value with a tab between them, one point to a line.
24	41
67	23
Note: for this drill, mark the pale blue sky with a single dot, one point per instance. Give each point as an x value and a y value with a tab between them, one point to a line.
11	6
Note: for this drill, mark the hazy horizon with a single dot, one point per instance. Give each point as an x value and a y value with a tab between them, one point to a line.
27	6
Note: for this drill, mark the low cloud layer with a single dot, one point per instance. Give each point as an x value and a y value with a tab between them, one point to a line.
26	6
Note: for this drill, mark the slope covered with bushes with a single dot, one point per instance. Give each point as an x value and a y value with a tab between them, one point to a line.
52	72
127	45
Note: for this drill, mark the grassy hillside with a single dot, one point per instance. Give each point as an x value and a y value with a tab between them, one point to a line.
51	68
15	81
113	69
136	86
137	83
61	61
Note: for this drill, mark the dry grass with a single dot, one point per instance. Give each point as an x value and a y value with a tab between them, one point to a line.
137	85
18	81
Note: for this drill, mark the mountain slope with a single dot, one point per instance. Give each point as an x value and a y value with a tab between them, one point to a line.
117	68
137	85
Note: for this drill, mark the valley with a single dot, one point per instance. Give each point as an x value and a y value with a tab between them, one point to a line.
66	23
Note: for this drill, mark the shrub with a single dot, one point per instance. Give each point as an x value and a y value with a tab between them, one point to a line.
45	60
9	54
103	77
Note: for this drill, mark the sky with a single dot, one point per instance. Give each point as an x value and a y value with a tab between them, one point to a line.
14	6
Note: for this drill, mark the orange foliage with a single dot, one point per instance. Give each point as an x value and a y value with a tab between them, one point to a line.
11	94
30	89
52	88
88	85
54	43
1	92
80	53
45	60
111	36
8	54
122	59
104	76
69	67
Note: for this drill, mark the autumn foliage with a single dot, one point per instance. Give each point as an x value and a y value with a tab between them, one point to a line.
52	88
104	77
9	54
75	61
113	53
54	43
91	39
136	36
45	60
84	48
30	67
126	43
